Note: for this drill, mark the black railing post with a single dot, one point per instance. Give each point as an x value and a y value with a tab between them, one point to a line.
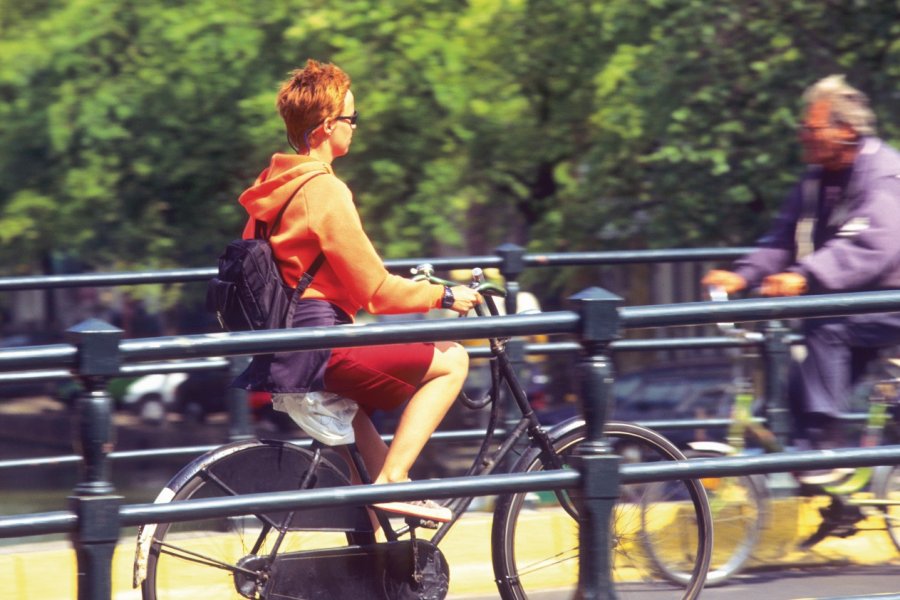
777	359
93	498
239	426
511	268
598	466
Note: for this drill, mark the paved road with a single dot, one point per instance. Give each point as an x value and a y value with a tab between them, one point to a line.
832	582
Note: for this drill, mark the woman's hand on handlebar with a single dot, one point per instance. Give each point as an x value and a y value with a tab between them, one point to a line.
464	299
726	280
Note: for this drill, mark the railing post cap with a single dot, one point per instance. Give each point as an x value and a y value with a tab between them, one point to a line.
513	258
599	314
90	327
596	295
98	347
509	247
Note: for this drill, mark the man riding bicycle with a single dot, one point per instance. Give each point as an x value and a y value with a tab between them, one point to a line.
838	231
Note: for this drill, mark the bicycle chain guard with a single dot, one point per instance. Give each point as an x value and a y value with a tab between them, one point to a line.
400	570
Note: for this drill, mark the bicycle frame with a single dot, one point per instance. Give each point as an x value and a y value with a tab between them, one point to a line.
742	423
485	461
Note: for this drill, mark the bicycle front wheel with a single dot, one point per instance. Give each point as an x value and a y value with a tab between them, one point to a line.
888	490
739	506
535	535
231	557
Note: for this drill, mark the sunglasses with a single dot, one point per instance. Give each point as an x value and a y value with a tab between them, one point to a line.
352	119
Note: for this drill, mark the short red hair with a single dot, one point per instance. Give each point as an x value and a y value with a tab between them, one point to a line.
311	95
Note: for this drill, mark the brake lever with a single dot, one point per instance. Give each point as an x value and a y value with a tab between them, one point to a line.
718	294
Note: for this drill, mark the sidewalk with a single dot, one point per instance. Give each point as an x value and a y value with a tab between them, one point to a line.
47	570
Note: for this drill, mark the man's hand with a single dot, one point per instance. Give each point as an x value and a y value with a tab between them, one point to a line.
783	284
728	281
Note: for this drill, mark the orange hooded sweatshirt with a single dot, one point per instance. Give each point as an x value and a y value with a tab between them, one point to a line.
323	218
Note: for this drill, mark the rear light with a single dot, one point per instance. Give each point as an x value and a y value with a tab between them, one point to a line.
259	400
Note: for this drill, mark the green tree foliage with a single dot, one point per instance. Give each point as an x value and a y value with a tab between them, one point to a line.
127	129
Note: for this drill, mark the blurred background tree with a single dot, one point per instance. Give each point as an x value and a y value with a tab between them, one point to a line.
127	129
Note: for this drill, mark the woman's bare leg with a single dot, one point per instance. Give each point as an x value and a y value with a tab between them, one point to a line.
425	411
371	447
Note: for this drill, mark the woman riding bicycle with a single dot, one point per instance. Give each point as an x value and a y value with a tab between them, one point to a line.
319	113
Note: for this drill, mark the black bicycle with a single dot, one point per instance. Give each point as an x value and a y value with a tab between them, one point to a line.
333	552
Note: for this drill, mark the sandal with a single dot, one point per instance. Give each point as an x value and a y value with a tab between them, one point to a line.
427	510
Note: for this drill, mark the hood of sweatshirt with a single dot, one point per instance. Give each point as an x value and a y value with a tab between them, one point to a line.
278	182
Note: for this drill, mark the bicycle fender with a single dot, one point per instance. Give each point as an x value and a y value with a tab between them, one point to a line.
565	427
710	446
880	475
148	530
554	433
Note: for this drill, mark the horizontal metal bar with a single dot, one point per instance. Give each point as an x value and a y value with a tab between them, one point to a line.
619	257
399	265
136	514
38	357
462	435
451	487
780	462
104	279
38	524
341	336
759	309
210	364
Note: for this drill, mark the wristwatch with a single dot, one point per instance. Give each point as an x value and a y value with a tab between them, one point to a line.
447	299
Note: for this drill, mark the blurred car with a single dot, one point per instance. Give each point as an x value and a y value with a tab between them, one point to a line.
195	395
676	391
150	397
679	391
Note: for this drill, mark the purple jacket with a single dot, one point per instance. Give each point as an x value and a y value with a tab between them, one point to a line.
856	237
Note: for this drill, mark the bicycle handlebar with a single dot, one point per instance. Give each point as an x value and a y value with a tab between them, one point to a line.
426	272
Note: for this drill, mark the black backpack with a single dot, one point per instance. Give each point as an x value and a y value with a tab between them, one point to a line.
248	293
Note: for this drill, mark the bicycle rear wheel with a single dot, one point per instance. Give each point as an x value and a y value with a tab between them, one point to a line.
535	535
229	557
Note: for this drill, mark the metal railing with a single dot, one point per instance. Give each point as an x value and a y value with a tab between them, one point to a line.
96	352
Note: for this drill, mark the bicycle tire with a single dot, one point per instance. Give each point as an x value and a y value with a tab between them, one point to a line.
521	531
208	558
739	507
888	488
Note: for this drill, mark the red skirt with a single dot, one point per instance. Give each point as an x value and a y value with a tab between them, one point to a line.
378	377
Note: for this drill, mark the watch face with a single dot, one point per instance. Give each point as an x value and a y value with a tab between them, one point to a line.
447	300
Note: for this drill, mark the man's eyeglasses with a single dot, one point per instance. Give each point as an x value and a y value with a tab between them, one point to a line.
806	129
352	119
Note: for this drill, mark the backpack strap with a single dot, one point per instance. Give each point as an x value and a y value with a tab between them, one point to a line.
264	232
310	273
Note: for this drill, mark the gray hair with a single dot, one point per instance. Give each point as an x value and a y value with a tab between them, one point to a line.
849	106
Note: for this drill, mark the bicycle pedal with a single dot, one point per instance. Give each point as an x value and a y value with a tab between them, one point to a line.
844	531
414	522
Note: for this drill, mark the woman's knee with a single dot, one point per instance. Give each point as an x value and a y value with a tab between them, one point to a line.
450	358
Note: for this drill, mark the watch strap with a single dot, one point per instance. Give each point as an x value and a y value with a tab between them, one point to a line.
447	299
